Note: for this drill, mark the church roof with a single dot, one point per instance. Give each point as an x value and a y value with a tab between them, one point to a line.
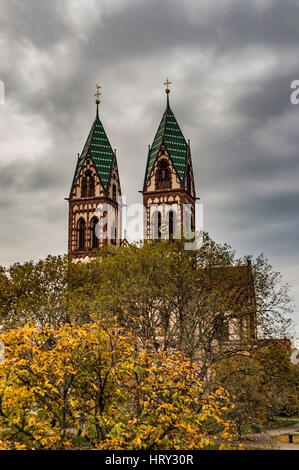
98	147
169	133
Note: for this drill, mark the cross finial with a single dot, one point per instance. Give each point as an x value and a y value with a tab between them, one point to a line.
98	94
167	83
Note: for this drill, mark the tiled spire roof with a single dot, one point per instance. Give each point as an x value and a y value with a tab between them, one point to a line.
169	134
98	147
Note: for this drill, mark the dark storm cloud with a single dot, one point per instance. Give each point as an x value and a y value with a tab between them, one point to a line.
39	21
276	26
266	208
30	177
139	31
231	64
146	27
270	98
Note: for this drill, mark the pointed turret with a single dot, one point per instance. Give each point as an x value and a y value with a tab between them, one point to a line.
93	201
168	175
99	149
170	136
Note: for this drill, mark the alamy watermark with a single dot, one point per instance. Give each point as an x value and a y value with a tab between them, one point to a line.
164	221
294	98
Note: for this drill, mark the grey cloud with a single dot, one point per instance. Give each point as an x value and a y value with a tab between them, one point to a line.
37	21
243	130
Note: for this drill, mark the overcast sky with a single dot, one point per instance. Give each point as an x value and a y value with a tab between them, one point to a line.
231	63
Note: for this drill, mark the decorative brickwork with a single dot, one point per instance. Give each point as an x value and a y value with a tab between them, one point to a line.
168	177
93	200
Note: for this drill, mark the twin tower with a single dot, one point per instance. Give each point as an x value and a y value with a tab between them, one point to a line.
95	196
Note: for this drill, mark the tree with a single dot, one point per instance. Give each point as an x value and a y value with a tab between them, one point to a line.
34	292
264	384
215	308
243	377
280	377
206	302
94	387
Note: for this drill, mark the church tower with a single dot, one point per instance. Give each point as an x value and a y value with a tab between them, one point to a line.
93	200
168	191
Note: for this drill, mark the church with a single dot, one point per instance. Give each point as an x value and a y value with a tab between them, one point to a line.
168	187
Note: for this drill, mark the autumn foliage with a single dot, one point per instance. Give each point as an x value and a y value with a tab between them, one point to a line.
91	387
135	349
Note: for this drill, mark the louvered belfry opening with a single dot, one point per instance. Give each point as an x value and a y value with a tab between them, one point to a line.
93	230
163	175
81	234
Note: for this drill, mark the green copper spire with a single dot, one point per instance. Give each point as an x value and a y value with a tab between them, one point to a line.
169	134
98	147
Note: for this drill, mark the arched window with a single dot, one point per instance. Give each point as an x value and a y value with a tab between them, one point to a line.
113	234
156	224
222	330
163	175
91	186
171	223
159	225
225	331
168	176
81	234
103	228
159	175
93	229
114	192
105	225
84	187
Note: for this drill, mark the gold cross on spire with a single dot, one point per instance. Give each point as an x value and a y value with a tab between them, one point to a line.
167	83
98	94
